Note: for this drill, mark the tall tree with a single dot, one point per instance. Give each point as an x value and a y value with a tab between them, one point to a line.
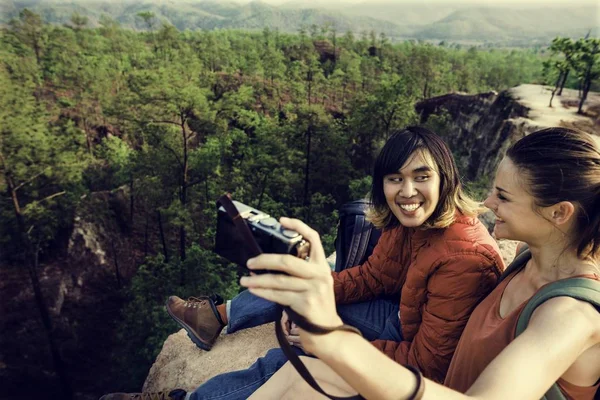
588	53
29	29
170	99
565	49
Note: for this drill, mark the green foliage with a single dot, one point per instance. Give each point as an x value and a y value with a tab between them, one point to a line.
480	189
580	57
360	188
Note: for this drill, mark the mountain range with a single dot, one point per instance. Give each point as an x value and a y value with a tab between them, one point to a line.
458	22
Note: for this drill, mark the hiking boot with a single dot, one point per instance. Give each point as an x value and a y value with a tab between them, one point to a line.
199	317
177	394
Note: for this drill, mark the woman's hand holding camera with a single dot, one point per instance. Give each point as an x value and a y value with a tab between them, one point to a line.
307	288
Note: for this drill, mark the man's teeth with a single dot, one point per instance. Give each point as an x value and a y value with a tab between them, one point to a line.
409	207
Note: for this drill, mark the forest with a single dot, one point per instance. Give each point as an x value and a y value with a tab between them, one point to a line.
287	123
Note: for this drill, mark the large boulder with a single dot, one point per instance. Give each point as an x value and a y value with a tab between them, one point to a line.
181	364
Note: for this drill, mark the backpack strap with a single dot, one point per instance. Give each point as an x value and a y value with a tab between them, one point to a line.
361	235
356	236
583	289
518	263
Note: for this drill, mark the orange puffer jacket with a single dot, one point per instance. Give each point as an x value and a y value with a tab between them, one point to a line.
442	274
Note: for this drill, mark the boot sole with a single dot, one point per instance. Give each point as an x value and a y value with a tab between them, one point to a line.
199	343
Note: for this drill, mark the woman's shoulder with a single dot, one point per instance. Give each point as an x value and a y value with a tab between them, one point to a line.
581	315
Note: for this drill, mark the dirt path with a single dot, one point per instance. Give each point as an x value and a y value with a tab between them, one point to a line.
564	108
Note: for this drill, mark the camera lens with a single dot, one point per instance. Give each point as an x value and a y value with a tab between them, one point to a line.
268	222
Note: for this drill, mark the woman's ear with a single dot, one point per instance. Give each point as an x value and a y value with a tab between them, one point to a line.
561	213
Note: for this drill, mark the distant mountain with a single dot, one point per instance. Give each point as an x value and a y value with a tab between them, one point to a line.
203	15
425	21
412	14
502	24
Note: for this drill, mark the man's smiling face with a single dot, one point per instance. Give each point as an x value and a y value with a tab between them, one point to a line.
413	192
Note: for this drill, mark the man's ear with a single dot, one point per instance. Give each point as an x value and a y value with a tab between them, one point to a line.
561	213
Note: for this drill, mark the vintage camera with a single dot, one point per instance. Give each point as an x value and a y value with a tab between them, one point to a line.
268	233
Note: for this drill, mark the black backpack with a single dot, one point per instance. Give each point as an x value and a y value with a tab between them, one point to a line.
356	237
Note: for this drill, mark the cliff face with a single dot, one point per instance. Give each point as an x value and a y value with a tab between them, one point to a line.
479	128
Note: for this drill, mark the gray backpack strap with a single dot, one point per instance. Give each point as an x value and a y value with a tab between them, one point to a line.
583	289
519	262
358	247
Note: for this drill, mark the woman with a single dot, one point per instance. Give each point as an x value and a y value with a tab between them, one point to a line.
546	194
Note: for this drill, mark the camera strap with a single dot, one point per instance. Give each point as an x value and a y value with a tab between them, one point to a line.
298	319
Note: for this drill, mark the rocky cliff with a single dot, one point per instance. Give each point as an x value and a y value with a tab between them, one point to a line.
479	128
81	287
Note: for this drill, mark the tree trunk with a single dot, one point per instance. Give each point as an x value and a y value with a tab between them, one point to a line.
131	202
162	236
556	85
587	81
88	139
562	84
183	189
30	259
59	365
146	236
262	190
307	175
206	196
586	88
388	122
117	272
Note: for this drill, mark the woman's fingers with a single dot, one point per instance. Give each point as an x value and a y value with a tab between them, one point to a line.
316	247
275	281
282	262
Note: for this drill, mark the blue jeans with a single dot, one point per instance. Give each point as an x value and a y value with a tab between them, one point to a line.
376	319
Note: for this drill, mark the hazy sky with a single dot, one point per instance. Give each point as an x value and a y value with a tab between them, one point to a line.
495	3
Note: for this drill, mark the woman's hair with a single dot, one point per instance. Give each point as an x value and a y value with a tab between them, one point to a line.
397	150
561	164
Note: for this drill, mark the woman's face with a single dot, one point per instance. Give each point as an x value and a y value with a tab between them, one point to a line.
514	207
413	192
